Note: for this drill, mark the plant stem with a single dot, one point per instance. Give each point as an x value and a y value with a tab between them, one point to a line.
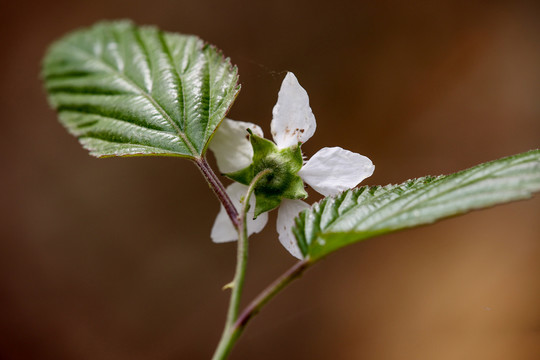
235	325
232	333
242	254
219	190
267	294
226	343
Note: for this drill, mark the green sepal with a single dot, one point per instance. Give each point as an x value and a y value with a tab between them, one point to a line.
265	203
243	176
283	180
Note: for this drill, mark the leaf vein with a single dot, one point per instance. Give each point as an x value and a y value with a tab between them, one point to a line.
147	96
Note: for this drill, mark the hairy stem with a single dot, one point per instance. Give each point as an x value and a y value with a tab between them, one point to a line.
219	190
242	254
226	342
267	294
233	332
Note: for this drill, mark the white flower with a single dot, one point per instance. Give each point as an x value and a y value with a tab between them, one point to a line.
233	152
223	230
330	171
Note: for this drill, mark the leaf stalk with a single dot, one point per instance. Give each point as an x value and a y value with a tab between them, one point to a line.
217	187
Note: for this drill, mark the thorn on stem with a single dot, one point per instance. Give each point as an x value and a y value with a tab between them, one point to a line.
228	286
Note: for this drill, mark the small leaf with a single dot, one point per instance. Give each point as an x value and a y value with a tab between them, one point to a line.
366	212
125	90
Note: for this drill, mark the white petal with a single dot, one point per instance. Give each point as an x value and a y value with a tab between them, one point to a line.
293	121
333	170
231	145
223	230
287	211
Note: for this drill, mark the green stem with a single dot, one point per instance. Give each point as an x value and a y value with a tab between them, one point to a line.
267	294
232	333
226	343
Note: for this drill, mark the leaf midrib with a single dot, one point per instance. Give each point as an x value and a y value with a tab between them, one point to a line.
147	96
171	61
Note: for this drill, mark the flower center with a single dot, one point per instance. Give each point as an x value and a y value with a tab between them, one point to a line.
281	182
279	179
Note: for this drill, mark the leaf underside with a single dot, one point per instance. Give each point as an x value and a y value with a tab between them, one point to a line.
366	212
125	90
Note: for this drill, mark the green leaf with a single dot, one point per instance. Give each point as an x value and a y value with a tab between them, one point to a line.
366	212
125	90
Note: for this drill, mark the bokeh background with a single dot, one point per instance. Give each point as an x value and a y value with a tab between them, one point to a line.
111	259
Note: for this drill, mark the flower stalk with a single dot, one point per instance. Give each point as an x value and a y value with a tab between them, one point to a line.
233	331
267	294
229	335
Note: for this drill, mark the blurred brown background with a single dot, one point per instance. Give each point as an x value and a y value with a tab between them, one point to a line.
111	259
